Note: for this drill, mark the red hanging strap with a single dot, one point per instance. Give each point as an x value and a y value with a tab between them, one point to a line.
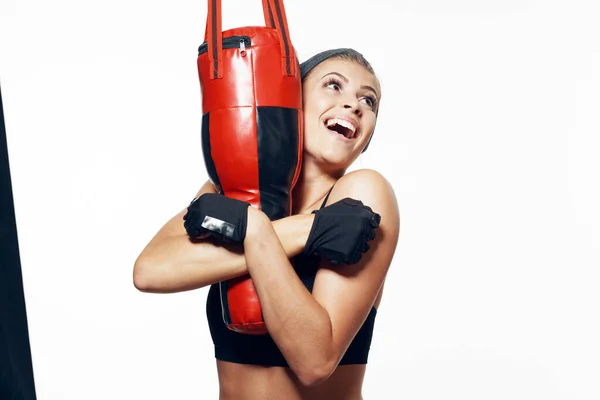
214	38
268	12
274	14
288	57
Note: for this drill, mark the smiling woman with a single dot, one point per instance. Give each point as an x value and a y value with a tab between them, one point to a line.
320	307
332	70
344	125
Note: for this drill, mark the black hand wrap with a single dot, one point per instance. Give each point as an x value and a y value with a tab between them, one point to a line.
222	217
341	231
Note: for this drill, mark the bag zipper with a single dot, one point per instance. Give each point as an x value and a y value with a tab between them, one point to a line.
231	42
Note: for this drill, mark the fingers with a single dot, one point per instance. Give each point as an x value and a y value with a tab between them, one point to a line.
370	234
198	233
366	246
352	202
375	220
354	258
362	249
193	229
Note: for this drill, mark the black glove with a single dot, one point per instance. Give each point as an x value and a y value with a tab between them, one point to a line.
220	216
341	231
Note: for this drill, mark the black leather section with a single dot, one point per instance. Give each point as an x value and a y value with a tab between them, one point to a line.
16	371
223	288
211	170
278	141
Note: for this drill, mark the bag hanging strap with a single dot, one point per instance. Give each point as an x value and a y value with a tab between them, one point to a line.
275	17
269	20
268	14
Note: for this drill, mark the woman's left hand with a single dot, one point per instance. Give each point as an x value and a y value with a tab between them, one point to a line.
342	231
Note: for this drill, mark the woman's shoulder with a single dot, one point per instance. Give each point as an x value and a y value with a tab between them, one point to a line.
364	182
372	189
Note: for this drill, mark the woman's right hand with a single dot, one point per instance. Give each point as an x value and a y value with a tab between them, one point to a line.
341	231
216	215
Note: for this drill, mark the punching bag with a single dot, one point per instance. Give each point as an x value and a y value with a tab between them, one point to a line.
252	133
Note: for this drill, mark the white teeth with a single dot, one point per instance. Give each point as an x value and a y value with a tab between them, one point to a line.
344	123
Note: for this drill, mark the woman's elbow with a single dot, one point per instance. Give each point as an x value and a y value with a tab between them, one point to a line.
145	277
315	373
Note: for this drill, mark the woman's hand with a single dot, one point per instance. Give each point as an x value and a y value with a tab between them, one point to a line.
341	232
216	215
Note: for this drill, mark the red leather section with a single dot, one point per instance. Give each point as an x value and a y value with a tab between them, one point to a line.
235	152
273	88
236	88
244	307
253	79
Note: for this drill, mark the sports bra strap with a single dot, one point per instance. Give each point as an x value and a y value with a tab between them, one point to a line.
327	197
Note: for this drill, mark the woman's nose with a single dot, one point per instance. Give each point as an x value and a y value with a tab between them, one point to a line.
353	106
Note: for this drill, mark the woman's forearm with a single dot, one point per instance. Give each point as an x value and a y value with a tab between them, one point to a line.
174	263
298	324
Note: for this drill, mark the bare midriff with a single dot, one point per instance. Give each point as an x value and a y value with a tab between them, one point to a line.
250	382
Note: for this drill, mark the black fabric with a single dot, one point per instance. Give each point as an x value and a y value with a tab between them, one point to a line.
16	370
278	137
341	231
261	349
222	217
206	150
318	58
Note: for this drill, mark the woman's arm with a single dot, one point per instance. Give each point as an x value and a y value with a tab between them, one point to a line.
314	331
171	262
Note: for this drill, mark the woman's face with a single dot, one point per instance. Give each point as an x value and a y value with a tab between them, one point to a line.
340	103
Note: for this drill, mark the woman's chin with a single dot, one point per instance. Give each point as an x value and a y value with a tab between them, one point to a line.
332	156
337	160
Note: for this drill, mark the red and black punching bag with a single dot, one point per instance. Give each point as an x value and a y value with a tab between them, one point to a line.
252	133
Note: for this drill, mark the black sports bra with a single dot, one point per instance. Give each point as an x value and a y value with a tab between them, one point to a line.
262	350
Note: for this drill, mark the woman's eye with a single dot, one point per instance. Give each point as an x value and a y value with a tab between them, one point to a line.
369	101
333	85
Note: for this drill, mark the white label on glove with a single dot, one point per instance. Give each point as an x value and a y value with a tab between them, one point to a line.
218	226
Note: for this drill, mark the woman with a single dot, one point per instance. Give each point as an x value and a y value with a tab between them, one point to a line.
320	312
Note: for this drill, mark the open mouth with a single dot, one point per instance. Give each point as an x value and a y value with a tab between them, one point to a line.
342	127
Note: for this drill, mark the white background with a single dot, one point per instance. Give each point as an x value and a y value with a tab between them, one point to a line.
488	132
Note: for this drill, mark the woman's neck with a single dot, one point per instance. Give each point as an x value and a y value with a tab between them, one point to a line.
312	186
